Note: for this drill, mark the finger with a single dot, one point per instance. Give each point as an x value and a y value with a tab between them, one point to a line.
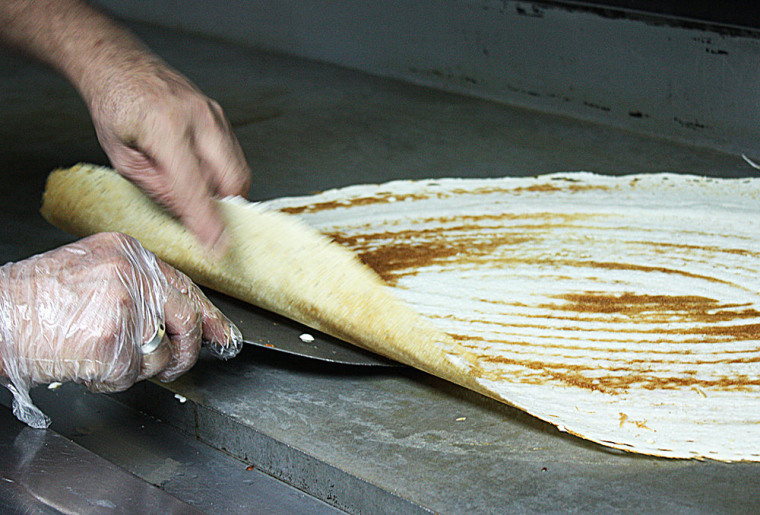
221	155
113	363
183	328
222	336
167	169
157	359
187	193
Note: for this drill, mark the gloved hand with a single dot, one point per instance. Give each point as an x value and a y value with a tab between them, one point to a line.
82	312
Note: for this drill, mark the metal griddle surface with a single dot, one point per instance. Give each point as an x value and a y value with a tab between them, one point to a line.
393	440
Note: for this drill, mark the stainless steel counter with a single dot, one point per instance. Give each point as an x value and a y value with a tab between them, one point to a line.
365	441
44	472
104	457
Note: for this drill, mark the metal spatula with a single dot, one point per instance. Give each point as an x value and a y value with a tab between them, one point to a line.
263	328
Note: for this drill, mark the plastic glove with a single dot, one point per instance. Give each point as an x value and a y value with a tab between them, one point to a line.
82	312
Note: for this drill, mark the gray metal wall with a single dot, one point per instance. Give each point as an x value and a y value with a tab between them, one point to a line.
681	81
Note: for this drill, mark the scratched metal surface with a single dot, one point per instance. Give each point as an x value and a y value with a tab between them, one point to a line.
45	473
401	439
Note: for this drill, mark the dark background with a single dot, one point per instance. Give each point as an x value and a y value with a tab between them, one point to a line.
739	14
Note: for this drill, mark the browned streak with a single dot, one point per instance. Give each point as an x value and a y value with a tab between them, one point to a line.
606	265
614	318
380	198
608	354
392	253
540	372
631	304
631	338
615	364
555	187
718	333
653	308
707	248
387	197
545	216
420	248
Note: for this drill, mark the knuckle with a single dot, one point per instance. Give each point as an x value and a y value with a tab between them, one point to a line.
183	283
116	266
105	240
117	361
192	322
214	106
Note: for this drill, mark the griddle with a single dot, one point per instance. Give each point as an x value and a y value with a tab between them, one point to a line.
360	438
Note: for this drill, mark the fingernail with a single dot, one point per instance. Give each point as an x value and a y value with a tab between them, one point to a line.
231	347
219	246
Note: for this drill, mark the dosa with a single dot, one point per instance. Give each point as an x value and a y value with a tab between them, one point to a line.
624	310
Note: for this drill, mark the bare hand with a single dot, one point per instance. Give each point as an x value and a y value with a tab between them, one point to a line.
173	142
156	127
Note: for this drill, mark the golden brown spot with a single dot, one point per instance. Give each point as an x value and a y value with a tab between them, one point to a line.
530	371
557	186
655	308
710	249
415	249
641	424
379	198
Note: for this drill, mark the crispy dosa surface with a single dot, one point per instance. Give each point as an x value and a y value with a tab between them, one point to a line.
624	310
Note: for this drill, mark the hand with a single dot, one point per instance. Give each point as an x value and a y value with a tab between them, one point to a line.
156	127
164	135
82	312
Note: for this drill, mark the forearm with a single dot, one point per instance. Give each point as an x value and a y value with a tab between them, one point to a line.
74	38
157	128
